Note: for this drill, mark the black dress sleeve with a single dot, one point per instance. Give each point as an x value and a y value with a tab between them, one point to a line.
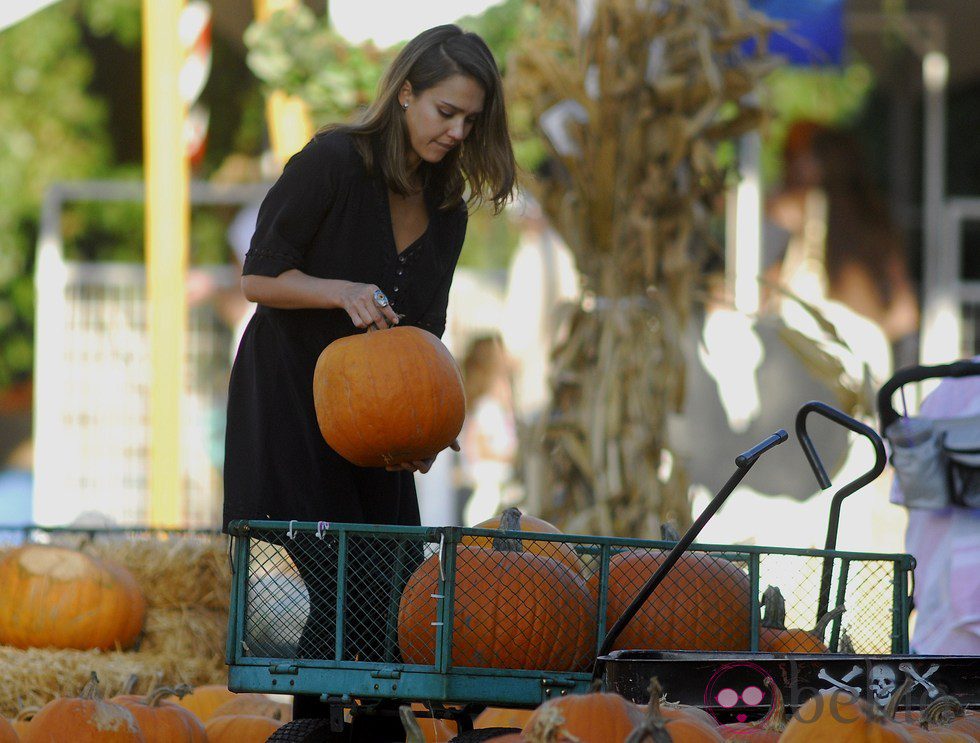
295	207
434	317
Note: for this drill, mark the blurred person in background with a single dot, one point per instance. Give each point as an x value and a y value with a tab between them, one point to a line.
488	442
843	245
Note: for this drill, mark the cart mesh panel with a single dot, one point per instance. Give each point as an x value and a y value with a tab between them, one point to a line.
465	598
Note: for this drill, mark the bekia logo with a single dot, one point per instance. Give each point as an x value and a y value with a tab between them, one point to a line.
733	685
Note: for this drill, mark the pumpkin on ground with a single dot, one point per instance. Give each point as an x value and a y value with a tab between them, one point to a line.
843	718
7	732
947	720
254	704
84	719
204	700
240	728
513	609
23	719
680	728
388	396
560	551
502	717
597	717
162	721
61	598
433	729
775	638
702	603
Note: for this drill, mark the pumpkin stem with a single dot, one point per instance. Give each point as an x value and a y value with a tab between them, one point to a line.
821	626
509	521
775	609
182	690
413	731
846	645
942	712
775	719
130	686
156	696
653	725
91	689
669	533
891	709
547	727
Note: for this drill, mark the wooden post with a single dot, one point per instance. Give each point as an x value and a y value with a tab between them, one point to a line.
166	172
288	117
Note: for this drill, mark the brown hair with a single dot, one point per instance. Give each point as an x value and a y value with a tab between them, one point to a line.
484	160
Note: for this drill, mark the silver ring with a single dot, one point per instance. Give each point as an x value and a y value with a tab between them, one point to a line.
380	299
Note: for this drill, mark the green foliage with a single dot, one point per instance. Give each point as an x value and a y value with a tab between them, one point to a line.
52	130
299	53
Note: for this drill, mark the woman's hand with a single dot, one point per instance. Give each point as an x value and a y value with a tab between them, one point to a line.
419	465
367	305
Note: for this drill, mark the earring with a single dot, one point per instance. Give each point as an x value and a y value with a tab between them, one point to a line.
405	106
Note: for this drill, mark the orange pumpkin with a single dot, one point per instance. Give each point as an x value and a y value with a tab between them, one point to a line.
162	721
241	728
675	711
513	609
591	718
7	732
433	729
204	700
766	730
775	638
255	704
702	603
680	726
388	396
62	598
843	718
83	719
560	551
949	721
502	717
23	719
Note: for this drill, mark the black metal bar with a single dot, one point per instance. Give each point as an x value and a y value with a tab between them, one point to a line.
887	414
743	464
820	472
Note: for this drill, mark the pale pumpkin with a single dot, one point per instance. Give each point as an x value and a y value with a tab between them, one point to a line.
204	700
388	396
513	609
162	721
56	597
561	551
702	603
83	719
240	728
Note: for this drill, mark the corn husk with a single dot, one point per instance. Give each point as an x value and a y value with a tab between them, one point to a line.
633	103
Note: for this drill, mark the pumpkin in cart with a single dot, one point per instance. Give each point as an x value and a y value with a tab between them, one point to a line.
702	603
61	598
388	396
84	719
774	637
512	609
561	551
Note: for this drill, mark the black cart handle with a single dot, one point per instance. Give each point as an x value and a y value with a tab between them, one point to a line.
743	463
887	414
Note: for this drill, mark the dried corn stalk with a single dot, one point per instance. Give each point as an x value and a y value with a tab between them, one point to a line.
633	97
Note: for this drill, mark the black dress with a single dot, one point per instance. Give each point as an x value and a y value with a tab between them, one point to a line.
328	217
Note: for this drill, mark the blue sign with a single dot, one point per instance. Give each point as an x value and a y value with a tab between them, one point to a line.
813	34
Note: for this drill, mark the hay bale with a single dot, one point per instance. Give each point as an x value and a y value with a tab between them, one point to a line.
185	632
36	676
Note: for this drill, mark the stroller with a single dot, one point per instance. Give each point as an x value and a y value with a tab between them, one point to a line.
936	458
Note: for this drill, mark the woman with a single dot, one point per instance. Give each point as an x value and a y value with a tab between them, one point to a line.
363	228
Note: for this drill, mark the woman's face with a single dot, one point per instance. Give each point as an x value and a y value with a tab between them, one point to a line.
440	117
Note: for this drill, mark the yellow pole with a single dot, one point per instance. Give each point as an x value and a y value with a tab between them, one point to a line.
288	117
167	224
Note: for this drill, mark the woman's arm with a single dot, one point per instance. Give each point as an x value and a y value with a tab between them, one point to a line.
293	290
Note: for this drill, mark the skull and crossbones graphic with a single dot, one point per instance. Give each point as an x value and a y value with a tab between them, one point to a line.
883	681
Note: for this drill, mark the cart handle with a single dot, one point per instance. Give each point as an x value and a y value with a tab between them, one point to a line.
821	474
743	463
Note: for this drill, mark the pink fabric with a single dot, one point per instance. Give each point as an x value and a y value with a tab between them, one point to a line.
946	546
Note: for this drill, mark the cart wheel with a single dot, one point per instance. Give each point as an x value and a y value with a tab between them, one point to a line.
309	730
476	736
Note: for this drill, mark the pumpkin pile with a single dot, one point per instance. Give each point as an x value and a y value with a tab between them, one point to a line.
388	396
